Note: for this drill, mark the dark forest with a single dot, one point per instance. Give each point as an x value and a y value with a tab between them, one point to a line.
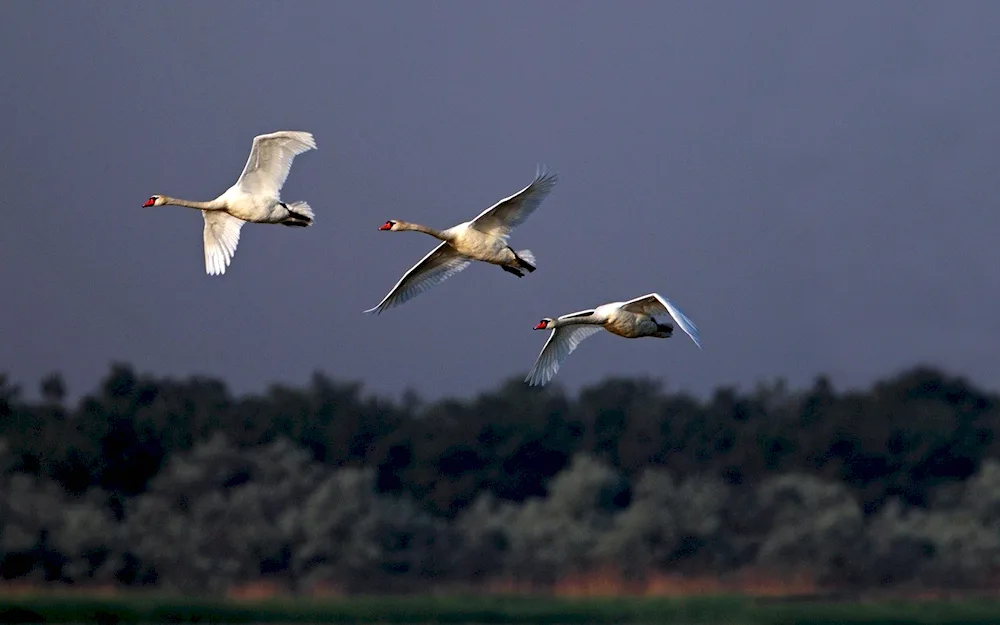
178	484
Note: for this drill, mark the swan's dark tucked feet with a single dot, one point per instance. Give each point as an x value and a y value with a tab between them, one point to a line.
517	273
524	264
666	328
299	214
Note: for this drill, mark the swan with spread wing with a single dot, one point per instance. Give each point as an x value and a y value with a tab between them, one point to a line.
483	238
632	319
254	197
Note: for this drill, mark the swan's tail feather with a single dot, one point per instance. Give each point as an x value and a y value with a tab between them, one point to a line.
527	260
302	208
300	214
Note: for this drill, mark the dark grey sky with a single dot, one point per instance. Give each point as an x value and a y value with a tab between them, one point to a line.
815	184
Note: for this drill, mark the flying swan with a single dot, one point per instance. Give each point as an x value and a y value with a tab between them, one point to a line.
632	319
484	239
255	197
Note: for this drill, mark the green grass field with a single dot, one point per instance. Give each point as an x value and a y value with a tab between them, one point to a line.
688	611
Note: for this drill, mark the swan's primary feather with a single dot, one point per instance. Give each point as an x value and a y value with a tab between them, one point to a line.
437	266
271	159
221	235
509	213
561	343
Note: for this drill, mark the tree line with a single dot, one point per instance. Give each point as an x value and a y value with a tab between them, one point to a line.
182	485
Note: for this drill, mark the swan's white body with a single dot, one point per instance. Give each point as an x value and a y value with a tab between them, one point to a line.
632	319
256	197
483	238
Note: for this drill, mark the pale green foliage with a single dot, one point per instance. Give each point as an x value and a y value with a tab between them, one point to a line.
943	548
981	495
37	515
217	513
808	523
29	508
560	532
484	530
351	536
664	518
91	540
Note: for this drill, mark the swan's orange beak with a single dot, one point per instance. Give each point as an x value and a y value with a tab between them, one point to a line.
148	203
386	226
541	325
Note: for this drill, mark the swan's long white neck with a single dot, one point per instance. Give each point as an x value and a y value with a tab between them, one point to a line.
216	204
590	320
405	225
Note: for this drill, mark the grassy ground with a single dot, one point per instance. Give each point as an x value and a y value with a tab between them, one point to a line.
688	611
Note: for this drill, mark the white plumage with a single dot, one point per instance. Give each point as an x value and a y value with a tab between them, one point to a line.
255	197
632	319
483	238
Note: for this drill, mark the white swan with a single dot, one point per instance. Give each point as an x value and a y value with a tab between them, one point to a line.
632	319
255	197
484	238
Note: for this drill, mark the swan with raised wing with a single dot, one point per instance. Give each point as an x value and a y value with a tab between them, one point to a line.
483	238
632	319
254	197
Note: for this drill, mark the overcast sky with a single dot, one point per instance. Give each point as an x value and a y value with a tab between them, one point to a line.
815	184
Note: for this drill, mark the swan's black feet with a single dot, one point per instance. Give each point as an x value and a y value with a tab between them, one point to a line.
295	219
516	272
666	328
523	264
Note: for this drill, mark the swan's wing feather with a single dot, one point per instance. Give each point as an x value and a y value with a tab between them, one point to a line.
437	266
650	304
509	213
579	313
271	159
222	235
561	343
655	304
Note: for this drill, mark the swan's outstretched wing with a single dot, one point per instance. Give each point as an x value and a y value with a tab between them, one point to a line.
655	304
501	218
440	264
222	235
270	160
562	341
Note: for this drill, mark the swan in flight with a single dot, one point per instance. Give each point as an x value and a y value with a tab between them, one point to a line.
632	319
483	238
255	197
